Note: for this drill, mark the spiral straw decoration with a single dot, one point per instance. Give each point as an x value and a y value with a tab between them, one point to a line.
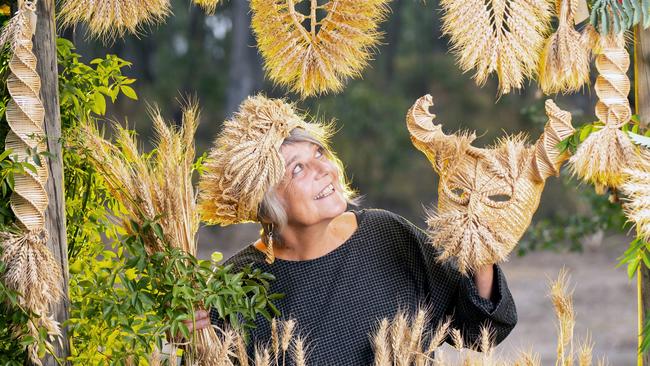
601	158
30	266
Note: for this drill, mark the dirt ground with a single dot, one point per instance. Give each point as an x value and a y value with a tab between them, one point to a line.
605	299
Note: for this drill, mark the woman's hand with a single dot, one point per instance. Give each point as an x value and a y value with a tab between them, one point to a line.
201	320
484	278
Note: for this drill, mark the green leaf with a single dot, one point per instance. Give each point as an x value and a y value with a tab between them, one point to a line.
129	92
639	139
99	107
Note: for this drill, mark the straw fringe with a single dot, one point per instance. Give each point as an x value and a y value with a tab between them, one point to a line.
208	5
316	61
110	19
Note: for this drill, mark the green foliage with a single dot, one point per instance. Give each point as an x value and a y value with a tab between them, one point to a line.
617	16
129	299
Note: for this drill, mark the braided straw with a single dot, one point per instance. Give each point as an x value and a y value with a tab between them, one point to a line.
245	161
31	268
486	196
564	62
604	154
25	116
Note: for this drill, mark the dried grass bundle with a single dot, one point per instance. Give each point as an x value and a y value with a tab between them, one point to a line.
109	19
563	304
148	185
157	186
316	60
565	58
602	156
502	36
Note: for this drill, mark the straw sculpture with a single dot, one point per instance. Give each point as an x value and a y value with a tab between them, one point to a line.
157	184
109	19
30	266
602	156
487	196
502	36
564	61
316	60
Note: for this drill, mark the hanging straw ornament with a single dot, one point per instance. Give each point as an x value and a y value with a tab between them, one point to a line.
637	202
502	36
31	269
316	60
565	59
602	156
486	196
109	19
208	5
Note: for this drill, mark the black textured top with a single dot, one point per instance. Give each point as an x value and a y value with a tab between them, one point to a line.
386	265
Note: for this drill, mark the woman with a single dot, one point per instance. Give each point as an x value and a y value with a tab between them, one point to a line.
341	271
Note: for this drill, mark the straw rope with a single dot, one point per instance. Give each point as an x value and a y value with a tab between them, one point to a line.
31	268
601	158
486	196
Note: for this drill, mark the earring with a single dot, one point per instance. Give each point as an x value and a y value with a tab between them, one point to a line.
270	257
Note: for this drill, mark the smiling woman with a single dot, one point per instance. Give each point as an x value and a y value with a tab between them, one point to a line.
341	271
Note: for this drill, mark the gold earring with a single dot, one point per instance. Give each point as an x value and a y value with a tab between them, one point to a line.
270	257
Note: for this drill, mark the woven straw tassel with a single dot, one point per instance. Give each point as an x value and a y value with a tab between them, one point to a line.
601	158
564	62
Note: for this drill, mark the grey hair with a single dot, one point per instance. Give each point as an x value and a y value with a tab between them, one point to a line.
271	211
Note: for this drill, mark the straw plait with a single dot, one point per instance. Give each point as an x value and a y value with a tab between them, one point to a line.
245	161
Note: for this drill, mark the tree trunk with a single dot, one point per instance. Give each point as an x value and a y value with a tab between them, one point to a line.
642	103
245	72
45	51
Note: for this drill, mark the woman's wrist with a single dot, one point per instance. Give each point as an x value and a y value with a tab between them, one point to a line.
484	280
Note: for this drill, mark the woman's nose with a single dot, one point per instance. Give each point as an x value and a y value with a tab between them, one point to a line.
322	168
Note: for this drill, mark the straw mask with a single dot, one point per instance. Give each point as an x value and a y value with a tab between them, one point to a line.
486	196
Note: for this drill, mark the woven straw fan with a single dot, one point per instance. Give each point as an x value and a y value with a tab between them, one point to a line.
502	36
604	154
31	268
316	60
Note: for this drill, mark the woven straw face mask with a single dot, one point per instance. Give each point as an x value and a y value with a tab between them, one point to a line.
486	196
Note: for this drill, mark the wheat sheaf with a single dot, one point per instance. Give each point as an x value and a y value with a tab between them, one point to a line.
502	36
337	44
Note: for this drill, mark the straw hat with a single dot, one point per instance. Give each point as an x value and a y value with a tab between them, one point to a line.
245	161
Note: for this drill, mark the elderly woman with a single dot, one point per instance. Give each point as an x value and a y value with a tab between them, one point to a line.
340	270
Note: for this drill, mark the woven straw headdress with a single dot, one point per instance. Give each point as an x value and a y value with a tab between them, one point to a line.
245	161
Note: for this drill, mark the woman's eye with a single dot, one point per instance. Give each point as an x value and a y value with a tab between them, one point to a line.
319	152
297	169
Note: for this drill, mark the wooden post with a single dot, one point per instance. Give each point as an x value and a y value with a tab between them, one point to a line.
642	103
45	51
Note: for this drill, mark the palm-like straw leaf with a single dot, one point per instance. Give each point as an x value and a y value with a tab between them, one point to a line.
316	60
502	36
109	19
637	205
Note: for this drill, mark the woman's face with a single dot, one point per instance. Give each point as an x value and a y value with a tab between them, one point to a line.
310	189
